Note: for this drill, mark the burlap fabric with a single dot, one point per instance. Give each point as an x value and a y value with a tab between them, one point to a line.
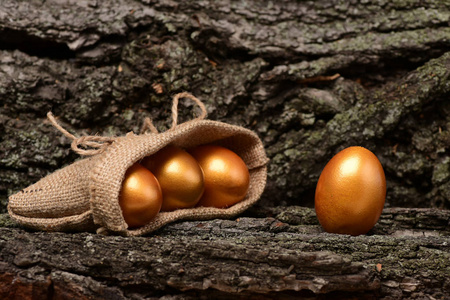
84	195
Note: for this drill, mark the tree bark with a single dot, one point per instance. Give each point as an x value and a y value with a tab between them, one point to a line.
311	78
285	256
105	67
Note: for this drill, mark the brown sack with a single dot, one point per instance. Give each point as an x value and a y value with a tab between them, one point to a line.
84	195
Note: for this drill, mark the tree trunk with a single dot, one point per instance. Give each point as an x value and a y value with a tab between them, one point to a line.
311	78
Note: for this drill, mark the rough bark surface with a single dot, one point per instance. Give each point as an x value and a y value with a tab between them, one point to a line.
311	78
285	256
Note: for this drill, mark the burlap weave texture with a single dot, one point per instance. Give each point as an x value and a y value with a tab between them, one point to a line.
84	195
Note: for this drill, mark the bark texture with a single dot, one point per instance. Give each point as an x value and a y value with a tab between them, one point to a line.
311	78
285	256
104	67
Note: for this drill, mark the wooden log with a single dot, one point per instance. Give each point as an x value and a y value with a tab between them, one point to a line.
277	253
104	67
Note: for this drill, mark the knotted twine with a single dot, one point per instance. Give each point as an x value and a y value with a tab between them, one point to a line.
84	195
100	143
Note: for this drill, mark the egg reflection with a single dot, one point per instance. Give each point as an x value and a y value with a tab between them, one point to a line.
226	176
140	197
350	192
179	175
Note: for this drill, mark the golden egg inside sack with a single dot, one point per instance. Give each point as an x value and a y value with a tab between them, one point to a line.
226	176
350	192
179	175
140	197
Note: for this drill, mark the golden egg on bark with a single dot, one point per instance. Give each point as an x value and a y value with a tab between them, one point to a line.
140	197
351	192
179	175
226	176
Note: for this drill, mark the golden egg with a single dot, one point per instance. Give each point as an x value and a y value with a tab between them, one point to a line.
140	197
179	175
351	191
226	176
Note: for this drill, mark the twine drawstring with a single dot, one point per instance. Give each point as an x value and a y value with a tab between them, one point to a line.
148	124
175	108
97	144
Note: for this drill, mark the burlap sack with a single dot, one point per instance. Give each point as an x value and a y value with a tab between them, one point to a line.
84	195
